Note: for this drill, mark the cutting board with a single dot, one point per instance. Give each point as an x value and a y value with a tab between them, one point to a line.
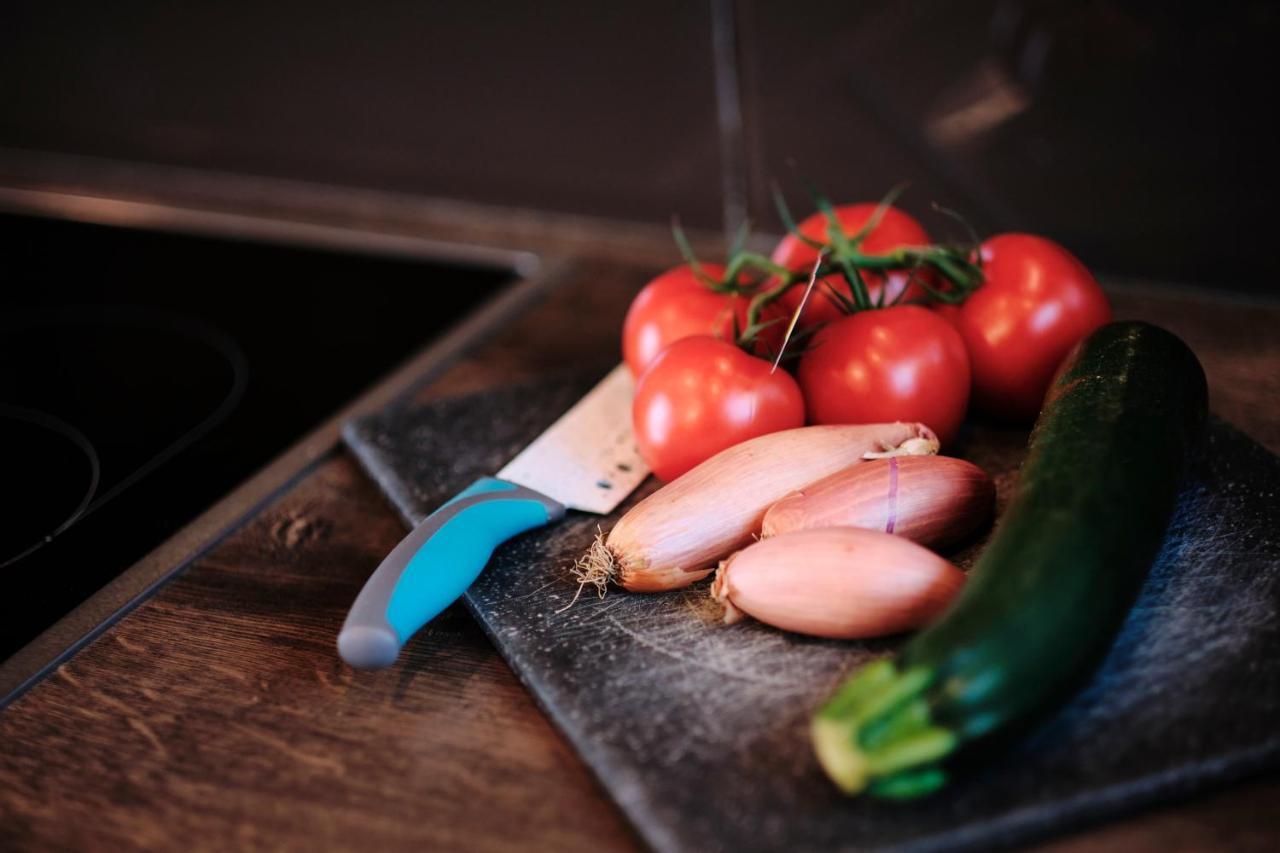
698	730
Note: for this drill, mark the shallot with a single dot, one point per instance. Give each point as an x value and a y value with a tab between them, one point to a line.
935	501
839	582
676	535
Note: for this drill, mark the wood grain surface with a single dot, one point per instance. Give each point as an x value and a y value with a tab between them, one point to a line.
217	715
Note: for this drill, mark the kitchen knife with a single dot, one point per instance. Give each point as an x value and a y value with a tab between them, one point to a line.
586	460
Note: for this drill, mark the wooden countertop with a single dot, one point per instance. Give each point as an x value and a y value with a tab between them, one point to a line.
217	715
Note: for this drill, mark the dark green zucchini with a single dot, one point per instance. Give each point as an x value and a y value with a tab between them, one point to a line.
1051	589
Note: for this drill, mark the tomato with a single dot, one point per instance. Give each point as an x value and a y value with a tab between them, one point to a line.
896	229
676	305
904	363
1037	302
702	395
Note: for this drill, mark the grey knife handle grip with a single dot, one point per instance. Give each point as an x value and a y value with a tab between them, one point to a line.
435	564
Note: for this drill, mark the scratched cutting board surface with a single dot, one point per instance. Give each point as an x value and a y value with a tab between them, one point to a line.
698	730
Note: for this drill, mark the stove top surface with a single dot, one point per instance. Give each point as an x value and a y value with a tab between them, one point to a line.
143	375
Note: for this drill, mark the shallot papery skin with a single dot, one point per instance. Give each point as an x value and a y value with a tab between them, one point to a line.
837	582
935	501
676	535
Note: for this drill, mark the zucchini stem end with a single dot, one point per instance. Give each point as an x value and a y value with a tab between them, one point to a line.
876	734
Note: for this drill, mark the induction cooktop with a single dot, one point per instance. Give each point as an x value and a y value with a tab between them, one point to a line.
144	374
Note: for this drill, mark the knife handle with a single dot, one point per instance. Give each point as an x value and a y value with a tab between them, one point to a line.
433	566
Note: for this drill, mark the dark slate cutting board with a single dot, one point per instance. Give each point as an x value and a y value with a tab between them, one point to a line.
699	730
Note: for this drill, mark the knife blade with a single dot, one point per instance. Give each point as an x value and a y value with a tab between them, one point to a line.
586	460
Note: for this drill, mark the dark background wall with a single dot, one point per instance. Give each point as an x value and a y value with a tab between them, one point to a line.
1132	131
570	105
1135	132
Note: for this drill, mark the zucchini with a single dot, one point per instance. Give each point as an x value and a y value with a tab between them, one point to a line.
1051	589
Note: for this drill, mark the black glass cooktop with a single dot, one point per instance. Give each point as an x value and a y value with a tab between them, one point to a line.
143	375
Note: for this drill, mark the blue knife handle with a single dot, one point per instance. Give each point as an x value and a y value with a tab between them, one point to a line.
433	566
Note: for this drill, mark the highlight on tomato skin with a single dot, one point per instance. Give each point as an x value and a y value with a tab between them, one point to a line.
702	395
904	363
677	304
1037	302
896	230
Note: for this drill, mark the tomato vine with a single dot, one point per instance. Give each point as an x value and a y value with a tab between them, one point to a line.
764	281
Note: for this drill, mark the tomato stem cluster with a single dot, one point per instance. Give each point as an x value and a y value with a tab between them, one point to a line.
764	281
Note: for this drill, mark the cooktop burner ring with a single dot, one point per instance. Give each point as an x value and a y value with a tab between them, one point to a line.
58	426
182	326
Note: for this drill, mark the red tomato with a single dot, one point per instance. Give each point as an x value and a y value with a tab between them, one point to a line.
895	230
897	364
1038	302
676	305
702	395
